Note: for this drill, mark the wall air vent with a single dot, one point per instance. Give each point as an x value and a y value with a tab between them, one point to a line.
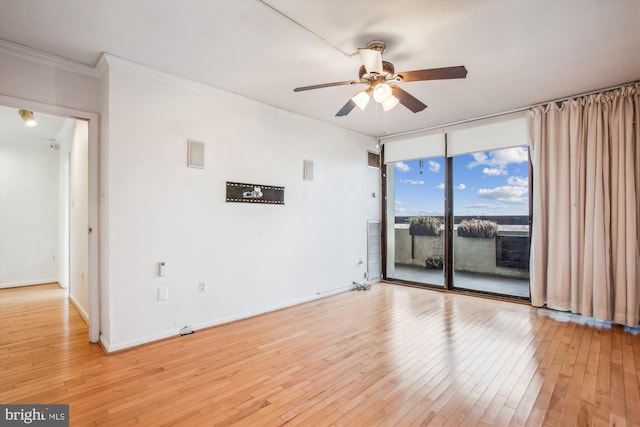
373	159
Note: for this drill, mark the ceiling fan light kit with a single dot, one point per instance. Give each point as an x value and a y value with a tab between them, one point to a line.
390	103
378	74
381	92
362	98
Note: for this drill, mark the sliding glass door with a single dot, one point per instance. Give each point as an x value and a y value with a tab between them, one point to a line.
491	221
457	208
414	186
418	220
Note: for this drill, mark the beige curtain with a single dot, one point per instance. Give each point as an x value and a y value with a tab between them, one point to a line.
585	253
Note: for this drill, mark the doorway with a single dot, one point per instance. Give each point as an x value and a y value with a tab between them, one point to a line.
48	195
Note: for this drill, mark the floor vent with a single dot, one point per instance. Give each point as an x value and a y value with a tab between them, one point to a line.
373	250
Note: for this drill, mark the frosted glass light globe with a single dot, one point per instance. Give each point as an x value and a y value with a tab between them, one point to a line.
381	92
390	103
361	99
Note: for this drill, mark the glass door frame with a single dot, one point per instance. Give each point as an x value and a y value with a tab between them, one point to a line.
448	266
385	230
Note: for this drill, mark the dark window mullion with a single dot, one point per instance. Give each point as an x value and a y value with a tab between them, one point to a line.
448	219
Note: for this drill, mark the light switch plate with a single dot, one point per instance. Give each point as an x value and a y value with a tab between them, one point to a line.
162	269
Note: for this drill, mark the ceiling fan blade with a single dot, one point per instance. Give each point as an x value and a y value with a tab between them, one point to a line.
320	86
372	60
408	100
346	109
459	72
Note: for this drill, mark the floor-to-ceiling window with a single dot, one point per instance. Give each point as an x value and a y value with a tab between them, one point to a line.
457	208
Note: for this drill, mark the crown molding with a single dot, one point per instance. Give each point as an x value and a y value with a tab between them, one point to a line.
102	66
24	52
107	61
104	62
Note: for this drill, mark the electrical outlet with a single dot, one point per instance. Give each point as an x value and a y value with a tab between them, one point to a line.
202	286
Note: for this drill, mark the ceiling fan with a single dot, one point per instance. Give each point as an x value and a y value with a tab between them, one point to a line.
380	75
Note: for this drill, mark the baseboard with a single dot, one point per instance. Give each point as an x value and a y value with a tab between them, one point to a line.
104	344
137	342
271	309
29	283
81	311
174	332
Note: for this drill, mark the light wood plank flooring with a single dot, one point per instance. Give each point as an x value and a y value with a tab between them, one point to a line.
391	356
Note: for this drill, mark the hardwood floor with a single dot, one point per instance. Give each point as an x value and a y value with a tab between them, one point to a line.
391	356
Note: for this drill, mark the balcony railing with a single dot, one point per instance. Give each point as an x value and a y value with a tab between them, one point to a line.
506	255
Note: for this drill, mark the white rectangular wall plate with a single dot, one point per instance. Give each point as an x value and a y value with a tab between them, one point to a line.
195	158
308	170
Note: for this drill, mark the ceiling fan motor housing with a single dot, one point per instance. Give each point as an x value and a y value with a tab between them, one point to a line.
388	72
376	45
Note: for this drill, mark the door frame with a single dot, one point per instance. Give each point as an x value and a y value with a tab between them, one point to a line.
93	197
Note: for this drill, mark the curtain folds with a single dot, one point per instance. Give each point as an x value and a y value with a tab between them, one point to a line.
585	250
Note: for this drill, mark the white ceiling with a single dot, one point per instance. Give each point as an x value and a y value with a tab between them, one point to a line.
13	129
518	52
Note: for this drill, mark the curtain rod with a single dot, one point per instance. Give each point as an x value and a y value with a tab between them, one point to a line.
504	113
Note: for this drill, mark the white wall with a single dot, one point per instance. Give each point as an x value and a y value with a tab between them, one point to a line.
78	218
104	231
64	139
255	258
73	244
28	213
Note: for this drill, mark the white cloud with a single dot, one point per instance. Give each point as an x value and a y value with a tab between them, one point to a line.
411	181
401	210
440	186
500	170
403	167
461	186
505	194
434	166
510	155
499	158
478	159
398	202
518	181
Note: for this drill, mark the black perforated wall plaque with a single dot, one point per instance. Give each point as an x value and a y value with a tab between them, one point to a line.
254	193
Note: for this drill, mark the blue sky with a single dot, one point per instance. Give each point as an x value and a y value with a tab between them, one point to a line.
485	183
